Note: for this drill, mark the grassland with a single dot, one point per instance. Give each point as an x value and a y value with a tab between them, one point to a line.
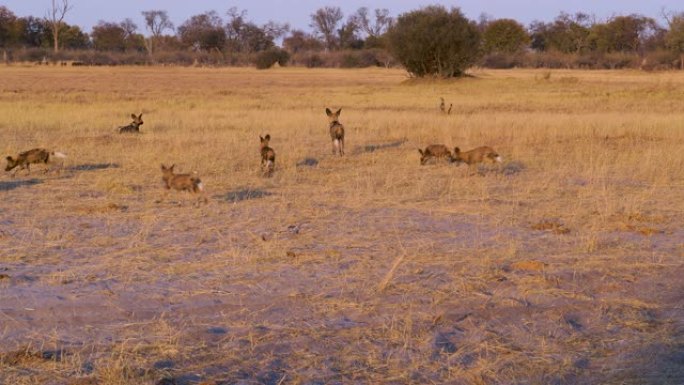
562	266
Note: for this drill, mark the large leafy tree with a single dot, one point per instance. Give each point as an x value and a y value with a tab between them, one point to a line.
622	33
674	38
504	36
203	32
435	41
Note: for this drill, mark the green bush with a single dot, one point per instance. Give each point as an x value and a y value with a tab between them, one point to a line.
434	41
266	59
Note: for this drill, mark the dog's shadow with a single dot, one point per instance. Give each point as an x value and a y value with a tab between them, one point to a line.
242	194
380	146
11	185
91	167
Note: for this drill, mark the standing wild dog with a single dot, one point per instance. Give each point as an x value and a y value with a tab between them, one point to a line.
36	155
434	151
477	155
182	182
267	156
442	107
336	131
134	127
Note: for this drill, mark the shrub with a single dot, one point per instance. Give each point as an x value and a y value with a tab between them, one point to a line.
266	59
434	41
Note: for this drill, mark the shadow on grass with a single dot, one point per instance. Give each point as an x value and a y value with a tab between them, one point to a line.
242	194
513	168
380	146
308	162
11	185
92	166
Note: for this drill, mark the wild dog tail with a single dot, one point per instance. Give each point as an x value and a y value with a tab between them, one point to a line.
58	154
198	183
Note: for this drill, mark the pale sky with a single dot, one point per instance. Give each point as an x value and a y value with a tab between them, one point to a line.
86	13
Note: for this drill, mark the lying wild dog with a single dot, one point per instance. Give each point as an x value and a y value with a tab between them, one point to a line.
36	155
134	126
336	131
434	151
477	155
442	107
267	156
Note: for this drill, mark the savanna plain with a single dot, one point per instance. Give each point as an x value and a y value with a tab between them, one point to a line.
561	265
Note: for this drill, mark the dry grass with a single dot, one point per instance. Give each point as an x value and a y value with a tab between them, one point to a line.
562	266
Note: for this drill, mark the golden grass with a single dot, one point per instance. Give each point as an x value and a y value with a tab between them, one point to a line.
563	265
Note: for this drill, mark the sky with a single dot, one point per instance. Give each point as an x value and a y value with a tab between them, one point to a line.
87	13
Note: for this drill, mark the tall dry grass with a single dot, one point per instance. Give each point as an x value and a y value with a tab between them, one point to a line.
562	265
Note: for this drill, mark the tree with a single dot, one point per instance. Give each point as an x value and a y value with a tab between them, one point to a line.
116	37
55	19
434	41
300	41
324	22
567	33
203	32
674	38
347	35
373	28
31	32
504	36
108	37
156	22
245	36
622	33
8	27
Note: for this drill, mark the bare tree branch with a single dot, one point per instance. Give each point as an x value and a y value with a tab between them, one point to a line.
55	17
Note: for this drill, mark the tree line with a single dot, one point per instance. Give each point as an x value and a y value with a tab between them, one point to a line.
430	40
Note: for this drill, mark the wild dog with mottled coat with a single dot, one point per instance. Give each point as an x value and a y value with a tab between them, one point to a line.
477	155
267	156
434	151
26	158
134	126
336	131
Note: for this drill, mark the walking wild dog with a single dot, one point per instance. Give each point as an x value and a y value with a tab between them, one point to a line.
442	107
267	156
477	155
182	182
434	151
336	131
134	127
36	155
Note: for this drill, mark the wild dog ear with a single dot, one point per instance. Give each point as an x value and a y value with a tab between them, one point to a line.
133	116
261	139
9	158
338	112
140	116
421	151
328	112
456	150
267	137
172	166
163	167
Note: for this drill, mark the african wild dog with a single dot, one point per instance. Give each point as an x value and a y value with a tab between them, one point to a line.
336	131
134	126
26	158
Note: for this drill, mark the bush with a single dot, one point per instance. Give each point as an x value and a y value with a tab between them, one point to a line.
266	59
434	41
